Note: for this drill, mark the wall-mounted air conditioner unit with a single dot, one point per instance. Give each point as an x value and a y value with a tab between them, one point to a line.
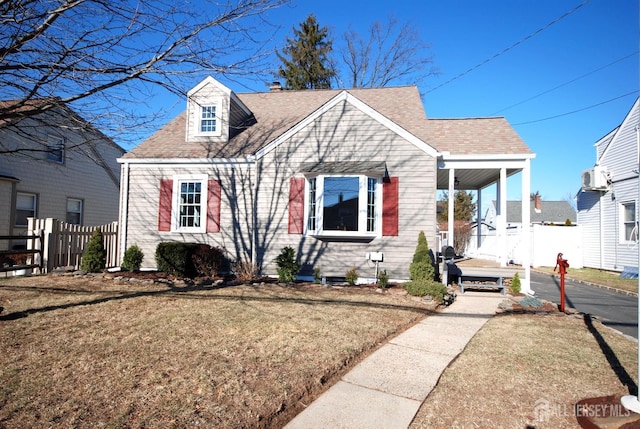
595	179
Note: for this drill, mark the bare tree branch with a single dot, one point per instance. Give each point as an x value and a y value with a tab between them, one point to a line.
390	55
95	55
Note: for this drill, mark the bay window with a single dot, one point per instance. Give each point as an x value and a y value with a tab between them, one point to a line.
343	205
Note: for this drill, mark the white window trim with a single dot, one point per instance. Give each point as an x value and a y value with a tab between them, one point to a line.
218	132
175	202
362	208
622	223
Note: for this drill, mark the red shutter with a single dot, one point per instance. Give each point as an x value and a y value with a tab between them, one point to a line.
164	209
390	207
214	192
296	205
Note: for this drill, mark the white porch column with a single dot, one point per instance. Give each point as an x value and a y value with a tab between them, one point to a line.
450	213
525	283
478	221
501	218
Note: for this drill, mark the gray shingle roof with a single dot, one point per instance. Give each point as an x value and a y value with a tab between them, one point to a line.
277	111
550	211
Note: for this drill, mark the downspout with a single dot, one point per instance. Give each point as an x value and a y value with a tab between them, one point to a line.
254	215
124	209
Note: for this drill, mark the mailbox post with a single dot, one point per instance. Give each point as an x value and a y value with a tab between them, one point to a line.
561	266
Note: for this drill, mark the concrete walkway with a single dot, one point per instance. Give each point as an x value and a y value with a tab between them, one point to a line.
388	387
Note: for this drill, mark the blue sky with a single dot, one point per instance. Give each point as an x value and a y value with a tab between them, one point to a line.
599	39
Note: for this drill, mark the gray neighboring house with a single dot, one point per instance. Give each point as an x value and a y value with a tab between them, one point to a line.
68	172
541	212
608	199
335	174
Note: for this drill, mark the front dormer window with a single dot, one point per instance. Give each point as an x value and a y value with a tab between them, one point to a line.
208	120
209	117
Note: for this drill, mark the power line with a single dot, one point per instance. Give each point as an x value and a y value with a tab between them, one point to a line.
578	110
519	42
564	84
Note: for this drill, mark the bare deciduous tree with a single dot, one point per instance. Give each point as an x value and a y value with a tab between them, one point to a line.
100	57
391	55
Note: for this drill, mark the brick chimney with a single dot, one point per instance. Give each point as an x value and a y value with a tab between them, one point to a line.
537	203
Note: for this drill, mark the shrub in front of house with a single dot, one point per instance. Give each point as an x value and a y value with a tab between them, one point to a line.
515	284
245	270
424	287
287	265
352	276
421	268
132	259
383	279
208	260
95	255
189	259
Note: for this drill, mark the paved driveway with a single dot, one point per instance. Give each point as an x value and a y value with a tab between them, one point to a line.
617	310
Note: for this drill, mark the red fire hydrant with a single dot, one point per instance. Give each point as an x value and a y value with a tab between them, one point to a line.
561	266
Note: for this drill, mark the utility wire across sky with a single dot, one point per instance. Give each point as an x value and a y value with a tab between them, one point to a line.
519	42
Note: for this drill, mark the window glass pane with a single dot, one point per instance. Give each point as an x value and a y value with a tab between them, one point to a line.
25	207
311	224
630	232
190	198
629	212
55	151
340	210
371	205
74	211
208	119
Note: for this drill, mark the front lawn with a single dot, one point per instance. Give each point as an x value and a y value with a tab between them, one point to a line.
84	352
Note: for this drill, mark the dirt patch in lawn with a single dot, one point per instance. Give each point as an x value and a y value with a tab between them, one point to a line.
88	352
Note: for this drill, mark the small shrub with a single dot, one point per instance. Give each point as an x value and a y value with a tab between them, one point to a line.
515	284
245	270
132	259
287	265
94	257
421	268
426	287
352	276
207	260
383	279
317	275
174	258
567	222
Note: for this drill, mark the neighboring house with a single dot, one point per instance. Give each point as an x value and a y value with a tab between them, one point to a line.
56	165
541	213
608	200
335	174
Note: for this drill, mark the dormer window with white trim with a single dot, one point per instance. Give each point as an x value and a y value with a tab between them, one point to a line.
209	120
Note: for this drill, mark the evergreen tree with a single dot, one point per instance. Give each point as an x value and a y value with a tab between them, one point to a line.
305	58
463	207
94	257
421	268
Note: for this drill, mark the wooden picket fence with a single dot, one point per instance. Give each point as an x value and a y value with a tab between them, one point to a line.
64	243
